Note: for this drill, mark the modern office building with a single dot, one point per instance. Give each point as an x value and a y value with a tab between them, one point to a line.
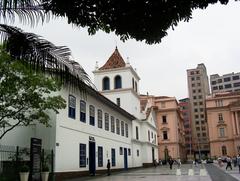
185	109
223	112
170	127
225	83
198	89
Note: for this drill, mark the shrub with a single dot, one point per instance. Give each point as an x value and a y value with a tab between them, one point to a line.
24	168
45	168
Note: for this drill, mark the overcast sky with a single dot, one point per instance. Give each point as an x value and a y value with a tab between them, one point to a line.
211	37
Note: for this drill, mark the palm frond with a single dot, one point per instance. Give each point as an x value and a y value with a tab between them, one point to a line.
28	11
41	54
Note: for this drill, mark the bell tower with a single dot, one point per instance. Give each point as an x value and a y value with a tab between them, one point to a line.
119	82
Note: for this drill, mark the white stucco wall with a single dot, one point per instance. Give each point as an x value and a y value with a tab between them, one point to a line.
129	101
21	135
72	132
137	160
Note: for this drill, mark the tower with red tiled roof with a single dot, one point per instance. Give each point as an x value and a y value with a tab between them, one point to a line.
119	82
114	61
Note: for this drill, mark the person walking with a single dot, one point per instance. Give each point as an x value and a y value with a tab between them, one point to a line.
155	163
179	162
234	160
196	162
229	163
108	167
170	161
238	162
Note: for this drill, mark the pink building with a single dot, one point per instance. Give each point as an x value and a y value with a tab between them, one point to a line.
170	127
223	113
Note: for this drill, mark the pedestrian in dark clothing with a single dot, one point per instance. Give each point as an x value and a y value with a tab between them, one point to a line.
229	163
234	160
238	162
108	167
155	163
170	161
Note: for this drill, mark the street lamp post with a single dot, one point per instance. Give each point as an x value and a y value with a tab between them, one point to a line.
199	151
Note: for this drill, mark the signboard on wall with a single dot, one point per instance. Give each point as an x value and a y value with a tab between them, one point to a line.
35	156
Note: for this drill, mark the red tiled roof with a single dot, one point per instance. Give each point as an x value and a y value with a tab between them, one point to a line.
115	61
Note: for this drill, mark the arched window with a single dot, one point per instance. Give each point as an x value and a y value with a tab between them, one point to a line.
118	82
224	150
106	83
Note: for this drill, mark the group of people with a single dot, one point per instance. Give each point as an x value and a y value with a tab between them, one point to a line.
171	162
229	161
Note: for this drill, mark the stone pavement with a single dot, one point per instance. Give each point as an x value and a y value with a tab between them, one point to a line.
162	173
234	172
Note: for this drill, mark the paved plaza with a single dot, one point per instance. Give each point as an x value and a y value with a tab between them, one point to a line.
163	173
234	172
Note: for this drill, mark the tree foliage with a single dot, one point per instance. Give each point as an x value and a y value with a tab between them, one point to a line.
43	55
28	11
146	20
25	96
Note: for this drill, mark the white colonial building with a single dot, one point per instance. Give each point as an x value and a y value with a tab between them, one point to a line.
119	82
97	127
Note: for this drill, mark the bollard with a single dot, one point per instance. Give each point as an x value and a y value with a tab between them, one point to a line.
190	172
178	171
203	172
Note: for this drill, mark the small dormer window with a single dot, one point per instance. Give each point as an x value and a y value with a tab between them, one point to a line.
106	83
118	82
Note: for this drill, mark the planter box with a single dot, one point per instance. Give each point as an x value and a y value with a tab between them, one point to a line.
24	176
44	176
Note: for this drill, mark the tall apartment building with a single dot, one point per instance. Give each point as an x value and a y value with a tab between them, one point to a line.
198	89
185	109
225	83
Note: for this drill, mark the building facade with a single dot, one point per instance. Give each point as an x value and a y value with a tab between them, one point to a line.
185	109
84	136
225	83
170	127
119	82
223	112
92	129
198	89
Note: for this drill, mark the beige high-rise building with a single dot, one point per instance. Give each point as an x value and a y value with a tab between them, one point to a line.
198	89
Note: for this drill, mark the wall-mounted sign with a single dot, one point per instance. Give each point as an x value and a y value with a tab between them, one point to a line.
35	156
91	138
